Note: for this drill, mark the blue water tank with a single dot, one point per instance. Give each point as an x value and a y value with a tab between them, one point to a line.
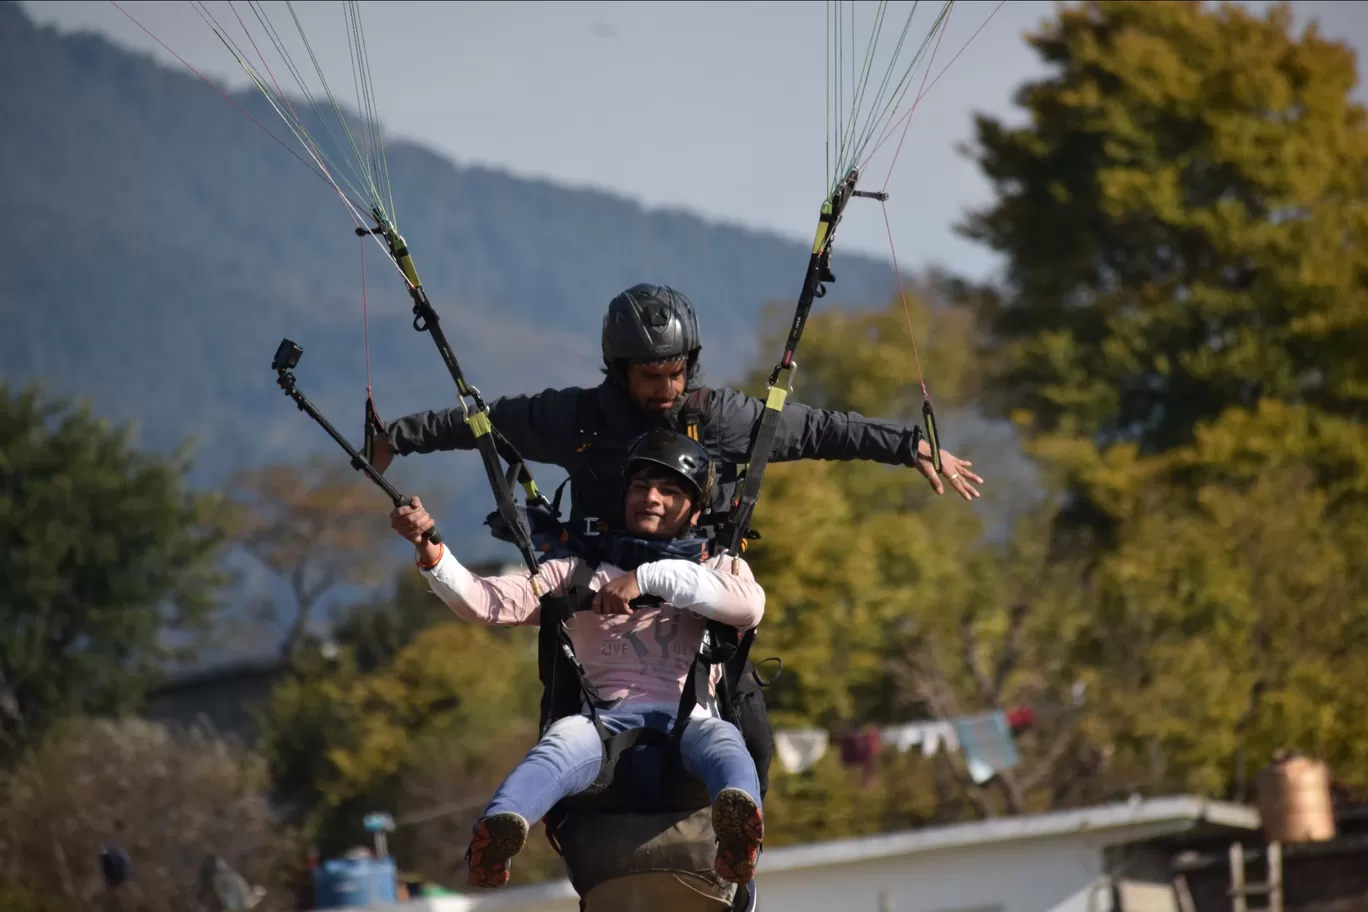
341	882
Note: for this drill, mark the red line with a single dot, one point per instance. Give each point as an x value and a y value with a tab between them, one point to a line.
907	123
902	295
365	317
922	94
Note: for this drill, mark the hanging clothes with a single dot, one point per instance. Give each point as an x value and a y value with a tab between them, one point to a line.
987	743
799	749
1020	718
861	748
931	735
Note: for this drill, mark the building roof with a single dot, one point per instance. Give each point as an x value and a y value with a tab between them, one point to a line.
1158	816
1114	823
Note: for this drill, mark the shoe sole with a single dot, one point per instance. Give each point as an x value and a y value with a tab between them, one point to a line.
496	841
740	830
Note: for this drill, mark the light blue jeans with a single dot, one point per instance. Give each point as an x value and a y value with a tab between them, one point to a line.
568	757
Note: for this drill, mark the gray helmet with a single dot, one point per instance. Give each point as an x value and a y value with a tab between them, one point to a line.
649	324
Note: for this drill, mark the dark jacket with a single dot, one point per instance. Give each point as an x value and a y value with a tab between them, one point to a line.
549	427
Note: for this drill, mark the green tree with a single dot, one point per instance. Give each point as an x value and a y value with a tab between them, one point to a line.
1183	221
104	554
888	604
1184	337
439	723
379	628
1229	618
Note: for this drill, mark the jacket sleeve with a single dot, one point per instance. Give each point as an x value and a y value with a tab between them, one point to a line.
494	601
810	433
541	427
710	590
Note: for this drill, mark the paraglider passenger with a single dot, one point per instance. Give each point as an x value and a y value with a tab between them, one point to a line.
636	659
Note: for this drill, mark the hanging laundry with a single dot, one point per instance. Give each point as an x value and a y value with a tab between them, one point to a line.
861	748
799	749
930	735
987	743
1022	717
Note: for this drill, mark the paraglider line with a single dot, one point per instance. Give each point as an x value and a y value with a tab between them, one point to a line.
211	85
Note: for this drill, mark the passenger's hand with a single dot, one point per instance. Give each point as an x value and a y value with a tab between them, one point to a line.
616	595
411	522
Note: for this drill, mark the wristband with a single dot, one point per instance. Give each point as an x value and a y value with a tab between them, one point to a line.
441	552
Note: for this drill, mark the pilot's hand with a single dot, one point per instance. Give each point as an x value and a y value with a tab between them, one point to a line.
953	468
381	453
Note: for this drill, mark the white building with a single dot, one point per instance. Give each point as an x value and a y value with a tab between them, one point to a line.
1069	861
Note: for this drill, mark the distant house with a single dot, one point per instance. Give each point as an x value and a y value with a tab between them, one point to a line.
224	696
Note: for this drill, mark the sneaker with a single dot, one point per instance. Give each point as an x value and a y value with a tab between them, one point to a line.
497	839
740	828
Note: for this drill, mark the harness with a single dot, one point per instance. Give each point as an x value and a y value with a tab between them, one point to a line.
567	691
597	478
599	475
630	781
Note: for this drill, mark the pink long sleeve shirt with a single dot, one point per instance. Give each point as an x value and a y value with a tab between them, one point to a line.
639	660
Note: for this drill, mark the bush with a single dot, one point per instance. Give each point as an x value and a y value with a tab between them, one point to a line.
170	798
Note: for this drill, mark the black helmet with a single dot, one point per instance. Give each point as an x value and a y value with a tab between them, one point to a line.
649	324
678	453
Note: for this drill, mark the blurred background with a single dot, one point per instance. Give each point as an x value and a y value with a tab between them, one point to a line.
1132	239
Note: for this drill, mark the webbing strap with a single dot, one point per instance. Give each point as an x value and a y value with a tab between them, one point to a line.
491	444
762	444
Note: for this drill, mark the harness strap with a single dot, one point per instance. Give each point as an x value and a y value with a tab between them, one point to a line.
589	416
692	413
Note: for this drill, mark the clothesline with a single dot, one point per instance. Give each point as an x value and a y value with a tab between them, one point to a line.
985	740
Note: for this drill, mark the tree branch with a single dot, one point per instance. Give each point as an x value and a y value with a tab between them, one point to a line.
971	660
1010	657
1043	767
932	686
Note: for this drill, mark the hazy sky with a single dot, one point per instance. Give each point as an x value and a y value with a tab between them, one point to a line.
709	106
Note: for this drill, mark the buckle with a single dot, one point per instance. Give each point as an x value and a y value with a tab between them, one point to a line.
592	525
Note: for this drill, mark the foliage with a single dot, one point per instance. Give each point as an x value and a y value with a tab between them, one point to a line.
379	628
1245	586
318	527
168	798
104	554
1184	221
887	604
1182	335
340	740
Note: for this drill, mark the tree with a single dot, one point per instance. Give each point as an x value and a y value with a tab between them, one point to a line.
379	628
1238	575
889	605
444	721
317	527
1183	222
1183	335
103	555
